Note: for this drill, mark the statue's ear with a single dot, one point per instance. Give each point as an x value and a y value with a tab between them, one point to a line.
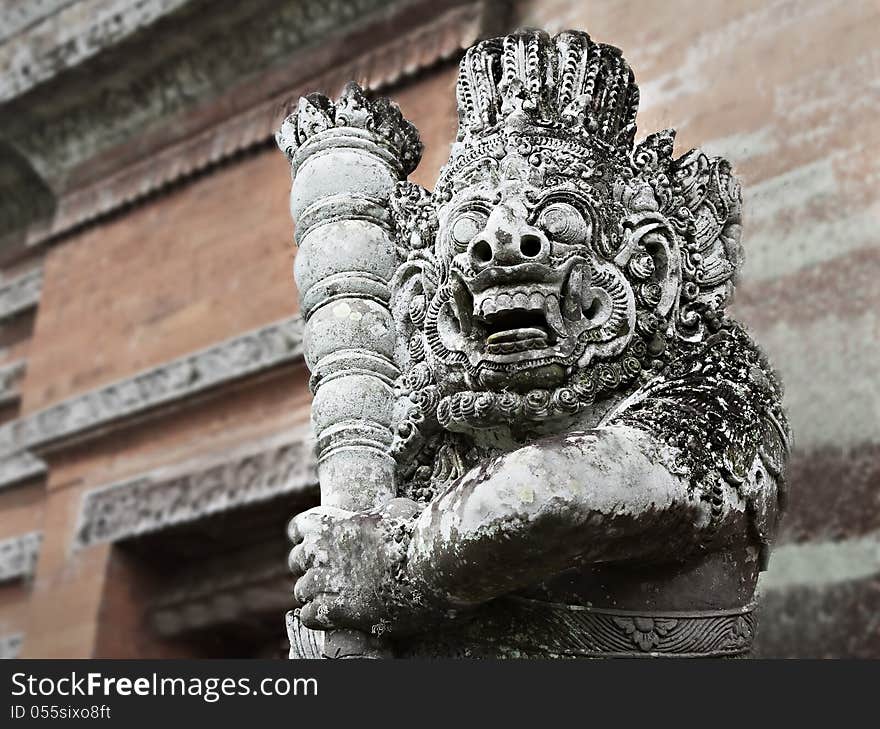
712	255
412	287
682	233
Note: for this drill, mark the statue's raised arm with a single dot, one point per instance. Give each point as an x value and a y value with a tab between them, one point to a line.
587	454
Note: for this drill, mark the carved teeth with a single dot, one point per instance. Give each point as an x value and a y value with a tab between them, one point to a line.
517	335
519	299
463	305
523	342
554	316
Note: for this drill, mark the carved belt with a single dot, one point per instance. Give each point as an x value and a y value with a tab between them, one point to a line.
537	628
516	627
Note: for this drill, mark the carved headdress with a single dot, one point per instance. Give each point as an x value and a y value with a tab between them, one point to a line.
567	94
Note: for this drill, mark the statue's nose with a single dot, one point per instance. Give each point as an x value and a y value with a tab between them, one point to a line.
508	246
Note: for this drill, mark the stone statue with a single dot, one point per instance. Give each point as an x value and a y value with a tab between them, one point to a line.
539	434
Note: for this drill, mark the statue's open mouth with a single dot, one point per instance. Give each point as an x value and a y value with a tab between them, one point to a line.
513	320
518	320
533	319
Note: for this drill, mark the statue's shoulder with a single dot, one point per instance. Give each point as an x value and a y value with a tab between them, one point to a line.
719	399
719	405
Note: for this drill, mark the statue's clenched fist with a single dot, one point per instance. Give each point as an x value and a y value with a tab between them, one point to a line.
350	567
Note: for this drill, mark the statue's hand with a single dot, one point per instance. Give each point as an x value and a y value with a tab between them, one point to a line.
350	568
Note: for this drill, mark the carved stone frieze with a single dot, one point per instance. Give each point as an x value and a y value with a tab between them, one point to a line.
538	629
163	498
20	294
10	645
18	556
247	354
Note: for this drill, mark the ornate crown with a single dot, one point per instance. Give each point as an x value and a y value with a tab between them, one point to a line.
567	88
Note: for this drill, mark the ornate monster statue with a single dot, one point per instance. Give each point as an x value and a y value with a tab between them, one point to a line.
552	441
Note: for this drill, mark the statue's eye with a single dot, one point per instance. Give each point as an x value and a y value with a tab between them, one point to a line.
564	223
466	226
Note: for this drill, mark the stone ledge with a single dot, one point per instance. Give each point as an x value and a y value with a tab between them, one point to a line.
21	467
20	294
208	132
18	556
185	493
44	45
246	354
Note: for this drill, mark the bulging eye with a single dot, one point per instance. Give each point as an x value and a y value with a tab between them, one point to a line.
564	223
466	226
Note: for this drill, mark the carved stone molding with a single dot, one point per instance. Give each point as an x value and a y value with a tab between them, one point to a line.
181	77
18	556
574	631
10	645
164	498
10	377
283	39
46	38
247	354
20	294
20	467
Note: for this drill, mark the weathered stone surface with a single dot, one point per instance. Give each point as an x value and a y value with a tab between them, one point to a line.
20	467
10	377
18	556
44	39
572	399
821	600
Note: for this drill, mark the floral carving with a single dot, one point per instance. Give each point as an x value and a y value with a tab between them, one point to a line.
645	633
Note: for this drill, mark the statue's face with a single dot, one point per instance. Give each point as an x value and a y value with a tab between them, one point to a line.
528	301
